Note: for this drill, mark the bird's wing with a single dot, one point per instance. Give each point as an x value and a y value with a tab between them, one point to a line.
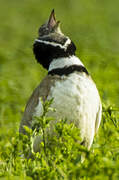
41	91
98	118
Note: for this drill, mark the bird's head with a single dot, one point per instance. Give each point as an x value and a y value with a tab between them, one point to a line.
52	43
50	27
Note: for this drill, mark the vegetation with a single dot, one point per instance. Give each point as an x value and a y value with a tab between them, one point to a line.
93	26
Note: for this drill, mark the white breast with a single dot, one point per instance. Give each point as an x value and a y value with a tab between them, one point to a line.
75	98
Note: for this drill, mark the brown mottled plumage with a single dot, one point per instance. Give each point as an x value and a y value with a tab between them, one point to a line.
41	91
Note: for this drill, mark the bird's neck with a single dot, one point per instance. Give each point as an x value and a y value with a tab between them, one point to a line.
66	66
64	62
46	51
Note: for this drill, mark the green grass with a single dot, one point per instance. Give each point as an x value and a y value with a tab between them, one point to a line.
94	27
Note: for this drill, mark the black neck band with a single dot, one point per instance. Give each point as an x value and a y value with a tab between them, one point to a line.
68	70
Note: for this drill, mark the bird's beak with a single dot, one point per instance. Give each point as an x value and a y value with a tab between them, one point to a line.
52	23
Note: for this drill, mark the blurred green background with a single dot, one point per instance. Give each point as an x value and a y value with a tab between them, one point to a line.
92	25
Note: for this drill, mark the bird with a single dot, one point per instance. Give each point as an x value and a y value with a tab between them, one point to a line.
68	82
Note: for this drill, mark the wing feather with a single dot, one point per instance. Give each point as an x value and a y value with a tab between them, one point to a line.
41	91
